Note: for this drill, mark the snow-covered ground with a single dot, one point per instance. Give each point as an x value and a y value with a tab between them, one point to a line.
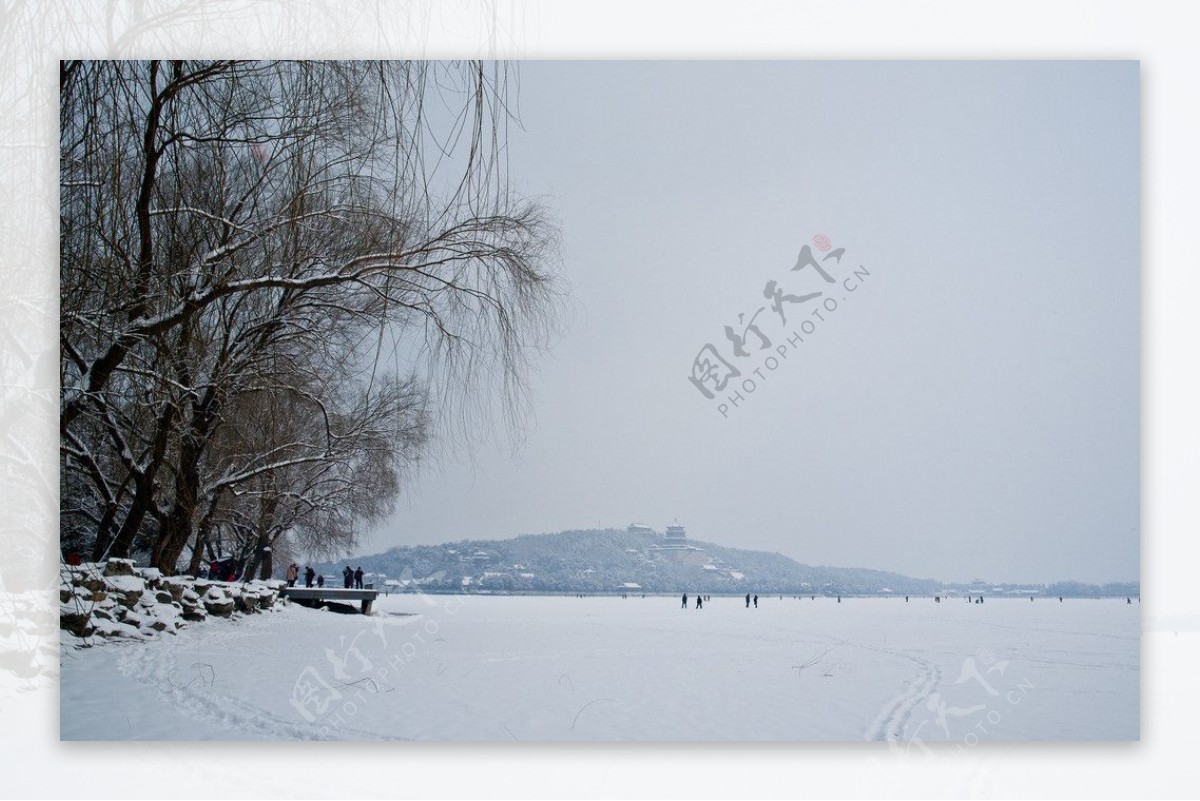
565	668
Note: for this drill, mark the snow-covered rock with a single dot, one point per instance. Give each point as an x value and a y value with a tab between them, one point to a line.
218	602
152	575
76	619
174	585
127	588
118	567
193	608
255	596
112	628
146	621
169	615
91	577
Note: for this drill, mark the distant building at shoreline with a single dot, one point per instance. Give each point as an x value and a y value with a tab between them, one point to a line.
674	536
673	545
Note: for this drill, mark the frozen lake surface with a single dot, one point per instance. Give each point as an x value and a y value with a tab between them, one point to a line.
585	669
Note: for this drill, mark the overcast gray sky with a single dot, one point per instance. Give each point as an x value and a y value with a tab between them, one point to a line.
969	410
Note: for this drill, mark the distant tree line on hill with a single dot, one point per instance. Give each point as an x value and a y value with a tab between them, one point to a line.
604	561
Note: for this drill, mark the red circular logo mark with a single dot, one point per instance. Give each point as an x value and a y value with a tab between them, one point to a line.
822	242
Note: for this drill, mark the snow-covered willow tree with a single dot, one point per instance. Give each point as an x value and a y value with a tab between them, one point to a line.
271	273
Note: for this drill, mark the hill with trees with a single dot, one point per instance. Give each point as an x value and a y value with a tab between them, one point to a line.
629	560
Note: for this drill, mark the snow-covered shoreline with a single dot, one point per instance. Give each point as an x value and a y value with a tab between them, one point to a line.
115	599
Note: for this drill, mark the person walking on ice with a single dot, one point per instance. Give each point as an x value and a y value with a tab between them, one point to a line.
685	600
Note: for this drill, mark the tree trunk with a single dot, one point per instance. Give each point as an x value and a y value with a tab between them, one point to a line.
202	534
143	496
179	524
104	532
143	485
268	566
197	552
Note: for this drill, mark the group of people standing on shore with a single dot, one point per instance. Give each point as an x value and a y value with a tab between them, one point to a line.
351	579
293	573
700	599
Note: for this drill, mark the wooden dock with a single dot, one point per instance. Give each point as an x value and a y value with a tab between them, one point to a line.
315	596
